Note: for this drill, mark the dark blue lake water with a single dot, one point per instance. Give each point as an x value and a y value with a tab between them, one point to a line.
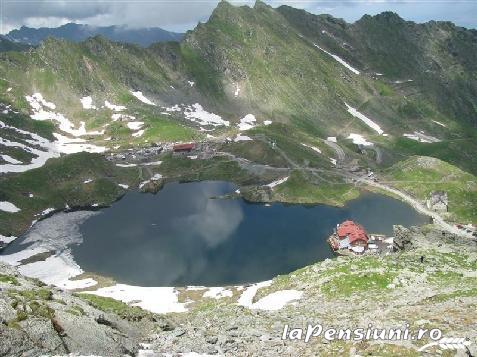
182	236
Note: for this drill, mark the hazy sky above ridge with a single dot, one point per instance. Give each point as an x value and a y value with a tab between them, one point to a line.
182	15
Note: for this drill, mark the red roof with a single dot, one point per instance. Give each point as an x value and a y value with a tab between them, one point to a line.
354	231
184	147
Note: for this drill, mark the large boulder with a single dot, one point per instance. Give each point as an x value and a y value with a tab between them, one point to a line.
402	238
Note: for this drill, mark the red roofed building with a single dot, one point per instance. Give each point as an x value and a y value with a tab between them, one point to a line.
183	147
353	232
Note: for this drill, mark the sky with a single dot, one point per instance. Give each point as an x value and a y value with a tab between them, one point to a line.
182	15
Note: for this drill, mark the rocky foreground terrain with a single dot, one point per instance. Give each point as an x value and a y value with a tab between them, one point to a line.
430	282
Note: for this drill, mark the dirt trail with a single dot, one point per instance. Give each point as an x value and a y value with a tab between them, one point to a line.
341	156
418	206
379	154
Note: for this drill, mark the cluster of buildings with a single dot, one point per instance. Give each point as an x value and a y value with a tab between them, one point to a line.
351	238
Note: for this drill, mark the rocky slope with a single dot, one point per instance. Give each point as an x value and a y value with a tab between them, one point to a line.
39	320
389	291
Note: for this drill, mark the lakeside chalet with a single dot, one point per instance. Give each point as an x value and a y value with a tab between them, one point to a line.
183	148
351	238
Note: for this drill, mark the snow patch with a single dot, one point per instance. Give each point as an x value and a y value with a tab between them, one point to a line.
141	97
277	182
16	258
312	147
174	108
364	119
41	148
7	240
242	138
332	139
160	300
53	235
152	163
88	181
247	122
10	159
122	185
359	140
121	117
246	299
333	161
196	113
46	212
271	302
57	270
237	90
439	123
116	108
138	134
67	145
191	83
37	103
338	59
218	293
126	165
8	207
277	300
87	103
267	122
135	125
155	177
421	137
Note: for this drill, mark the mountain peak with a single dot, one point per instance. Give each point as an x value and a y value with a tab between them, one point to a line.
384	17
261	5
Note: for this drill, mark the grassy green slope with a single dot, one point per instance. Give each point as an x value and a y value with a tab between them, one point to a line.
437	56
64	72
420	176
269	54
280	75
60	183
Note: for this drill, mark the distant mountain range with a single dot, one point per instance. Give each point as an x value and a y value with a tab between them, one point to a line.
8	45
78	32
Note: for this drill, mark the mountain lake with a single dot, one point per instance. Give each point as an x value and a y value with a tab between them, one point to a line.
188	235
